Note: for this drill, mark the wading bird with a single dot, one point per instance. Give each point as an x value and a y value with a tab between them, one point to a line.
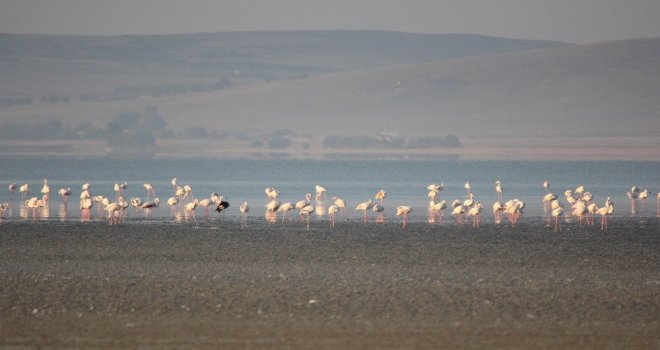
404	210
365	206
244	209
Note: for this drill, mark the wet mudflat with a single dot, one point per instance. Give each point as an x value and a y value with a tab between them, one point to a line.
217	284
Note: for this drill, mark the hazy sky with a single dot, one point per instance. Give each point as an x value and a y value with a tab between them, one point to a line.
579	21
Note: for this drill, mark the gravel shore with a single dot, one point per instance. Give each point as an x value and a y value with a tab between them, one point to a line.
219	285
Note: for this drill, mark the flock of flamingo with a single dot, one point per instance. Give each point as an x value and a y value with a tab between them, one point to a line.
184	205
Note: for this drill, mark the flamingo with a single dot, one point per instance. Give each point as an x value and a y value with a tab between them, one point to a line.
271	193
332	210
643	196
272	207
604	213
470	201
404	210
498	208
24	191
85	194
174	184
381	195
435	187
136	202
190	209
579	191
306	211
149	206
188	191
437	208
320	192
633	201
556	213
45	190
498	189
64	193
475	213
341	204
12	187
591	210
85	186
32	203
222	204
468	187
285	208
244	209
378	208
305	202
547	199
206	203
3	208
86	205
122	209
546	185
150	190
458	211
365	206
112	209
579	210
172	202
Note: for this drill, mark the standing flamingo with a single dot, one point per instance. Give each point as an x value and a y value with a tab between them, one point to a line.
190	209
320	192
172	202
12	187
150	190
24	191
604	213
45	190
557	213
381	195
378	208
468	187
306	211
222	204
404	210
149	206
498	189
174	184
206	203
285	208
459	210
3	208
546	186
113	212
365	206
341	204
244	209
332	211
436	209
475	213
64	194
633	201
643	197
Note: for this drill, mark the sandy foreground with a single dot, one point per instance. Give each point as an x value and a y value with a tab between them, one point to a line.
219	285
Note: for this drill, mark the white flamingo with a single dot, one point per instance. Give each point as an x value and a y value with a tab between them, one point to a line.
150	190
306	211
64	194
45	190
475	213
546	186
332	211
24	191
557	213
365	206
148	206
206	204
378	208
604	213
498	189
437	209
341	204
172	202
190	209
244	209
285	208
320	192
381	195
404	210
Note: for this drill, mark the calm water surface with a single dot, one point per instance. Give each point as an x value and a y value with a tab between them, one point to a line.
354	180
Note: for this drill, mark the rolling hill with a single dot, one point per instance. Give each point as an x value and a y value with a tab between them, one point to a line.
549	91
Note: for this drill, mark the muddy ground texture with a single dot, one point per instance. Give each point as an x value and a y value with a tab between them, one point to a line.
220	285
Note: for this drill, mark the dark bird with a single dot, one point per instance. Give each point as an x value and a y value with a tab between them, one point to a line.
222	204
